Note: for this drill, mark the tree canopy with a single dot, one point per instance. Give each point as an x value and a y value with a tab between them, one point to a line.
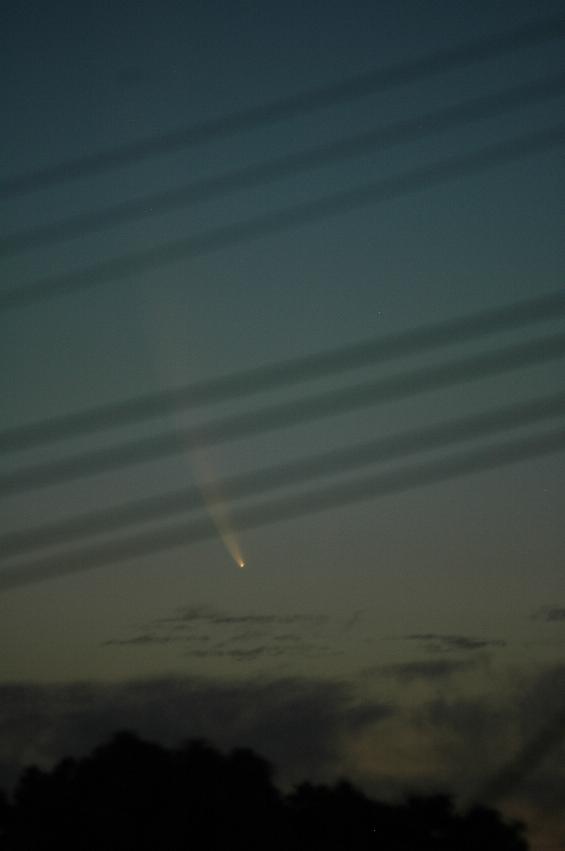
133	794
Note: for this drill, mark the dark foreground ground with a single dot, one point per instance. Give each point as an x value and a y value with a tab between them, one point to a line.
132	794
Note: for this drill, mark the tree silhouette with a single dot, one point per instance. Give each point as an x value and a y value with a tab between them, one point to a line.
132	794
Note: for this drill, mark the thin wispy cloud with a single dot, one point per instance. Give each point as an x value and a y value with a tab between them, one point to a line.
551	614
428	670
210	615
446	642
270	650
204	632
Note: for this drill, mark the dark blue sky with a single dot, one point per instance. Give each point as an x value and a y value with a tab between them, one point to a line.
477	557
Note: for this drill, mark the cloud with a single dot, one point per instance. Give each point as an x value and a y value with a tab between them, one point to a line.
140	640
512	739
552	614
505	746
207	633
507	751
217	617
298	724
270	650
366	714
543	743
445	642
407	672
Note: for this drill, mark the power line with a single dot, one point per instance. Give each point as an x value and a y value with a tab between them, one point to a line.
355	87
423	125
285	373
309	212
283	415
285	508
297	472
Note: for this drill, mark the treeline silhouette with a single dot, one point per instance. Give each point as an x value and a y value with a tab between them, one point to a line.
133	794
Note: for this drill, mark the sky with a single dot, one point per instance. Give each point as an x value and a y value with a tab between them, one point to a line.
409	641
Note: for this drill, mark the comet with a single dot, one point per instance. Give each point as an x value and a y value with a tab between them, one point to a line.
216	506
163	322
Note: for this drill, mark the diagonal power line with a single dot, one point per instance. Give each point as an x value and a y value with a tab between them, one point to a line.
284	415
419	127
297	472
286	373
285	508
369	194
353	88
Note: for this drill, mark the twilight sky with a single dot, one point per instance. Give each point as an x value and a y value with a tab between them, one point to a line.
408	641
